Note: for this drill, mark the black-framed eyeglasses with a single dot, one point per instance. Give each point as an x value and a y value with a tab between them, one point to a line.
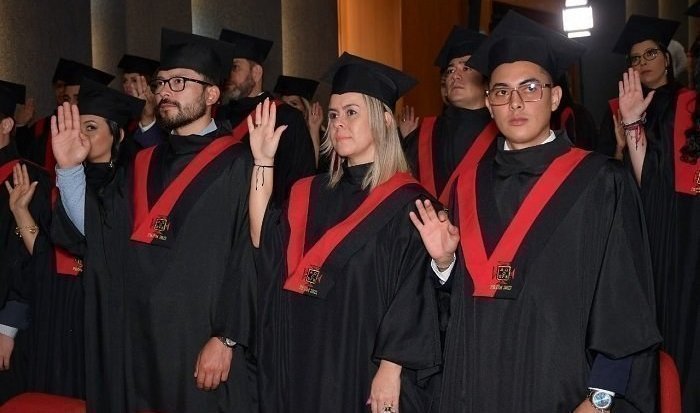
528	92
648	55
176	84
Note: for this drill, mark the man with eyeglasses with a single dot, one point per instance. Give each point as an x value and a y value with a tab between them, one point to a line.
463	132
243	91
172	300
552	303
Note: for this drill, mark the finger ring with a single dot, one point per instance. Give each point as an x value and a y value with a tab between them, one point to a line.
257	125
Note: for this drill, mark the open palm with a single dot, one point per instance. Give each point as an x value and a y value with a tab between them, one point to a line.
70	146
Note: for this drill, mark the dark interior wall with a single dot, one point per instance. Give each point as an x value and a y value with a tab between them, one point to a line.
600	68
34	34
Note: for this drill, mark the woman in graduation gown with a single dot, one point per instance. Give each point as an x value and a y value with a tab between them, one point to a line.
347	316
663	155
104	114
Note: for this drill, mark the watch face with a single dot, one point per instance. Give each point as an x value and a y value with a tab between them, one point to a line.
601	400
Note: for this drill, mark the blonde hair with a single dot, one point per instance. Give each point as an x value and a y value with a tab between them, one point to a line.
389	157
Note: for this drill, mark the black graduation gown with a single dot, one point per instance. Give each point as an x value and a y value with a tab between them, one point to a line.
579	124
295	157
20	272
32	141
151	308
673	221
583	284
454	133
321	354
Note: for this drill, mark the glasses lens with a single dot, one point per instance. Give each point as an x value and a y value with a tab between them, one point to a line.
530	92
156	85
651	54
177	84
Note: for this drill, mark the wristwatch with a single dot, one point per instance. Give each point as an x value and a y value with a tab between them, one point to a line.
227	342
601	401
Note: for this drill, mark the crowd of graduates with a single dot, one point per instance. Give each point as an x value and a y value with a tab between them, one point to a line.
194	243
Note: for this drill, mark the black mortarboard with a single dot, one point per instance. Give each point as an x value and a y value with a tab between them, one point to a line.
210	57
352	73
137	64
640	28
63	69
460	42
517	38
11	94
247	46
97	99
694	10
299	86
76	72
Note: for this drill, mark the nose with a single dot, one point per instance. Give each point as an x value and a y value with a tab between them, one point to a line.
516	102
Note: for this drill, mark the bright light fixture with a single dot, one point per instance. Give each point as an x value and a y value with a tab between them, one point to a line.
577	18
575	3
582	33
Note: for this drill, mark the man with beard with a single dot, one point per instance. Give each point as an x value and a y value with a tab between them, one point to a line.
444	145
172	240
295	157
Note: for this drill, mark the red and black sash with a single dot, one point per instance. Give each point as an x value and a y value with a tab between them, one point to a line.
495	274
309	272
687	176
425	156
6	170
66	264
153	226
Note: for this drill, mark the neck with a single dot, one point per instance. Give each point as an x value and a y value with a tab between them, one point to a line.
530	143
662	82
4	140
257	89
194	127
470	105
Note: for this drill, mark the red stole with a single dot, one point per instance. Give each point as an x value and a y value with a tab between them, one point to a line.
687	176
304	269
6	170
425	156
150	224
495	273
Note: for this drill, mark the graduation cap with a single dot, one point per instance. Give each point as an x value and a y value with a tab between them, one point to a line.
62	71
460	42
210	57
517	38
76	72
137	64
11	94
694	10
640	28
97	99
297	86
352	73
247	46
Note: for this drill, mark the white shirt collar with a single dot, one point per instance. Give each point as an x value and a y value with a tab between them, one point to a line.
550	138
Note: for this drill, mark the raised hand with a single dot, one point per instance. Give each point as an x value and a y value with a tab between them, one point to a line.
22	190
315	117
25	113
633	104
408	121
264	138
70	146
439	236
143	91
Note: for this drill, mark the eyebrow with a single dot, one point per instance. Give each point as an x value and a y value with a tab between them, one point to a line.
532	79
344	107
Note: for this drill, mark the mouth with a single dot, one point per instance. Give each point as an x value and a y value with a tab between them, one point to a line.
165	104
517	121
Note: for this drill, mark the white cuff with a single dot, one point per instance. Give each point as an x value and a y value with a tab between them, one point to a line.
8	331
443	276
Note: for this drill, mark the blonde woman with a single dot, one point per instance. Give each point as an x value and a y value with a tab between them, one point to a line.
347	319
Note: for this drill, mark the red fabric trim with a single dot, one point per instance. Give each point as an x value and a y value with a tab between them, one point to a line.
315	257
6	169
425	154
145	220
614	105
482	268
687	176
471	158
